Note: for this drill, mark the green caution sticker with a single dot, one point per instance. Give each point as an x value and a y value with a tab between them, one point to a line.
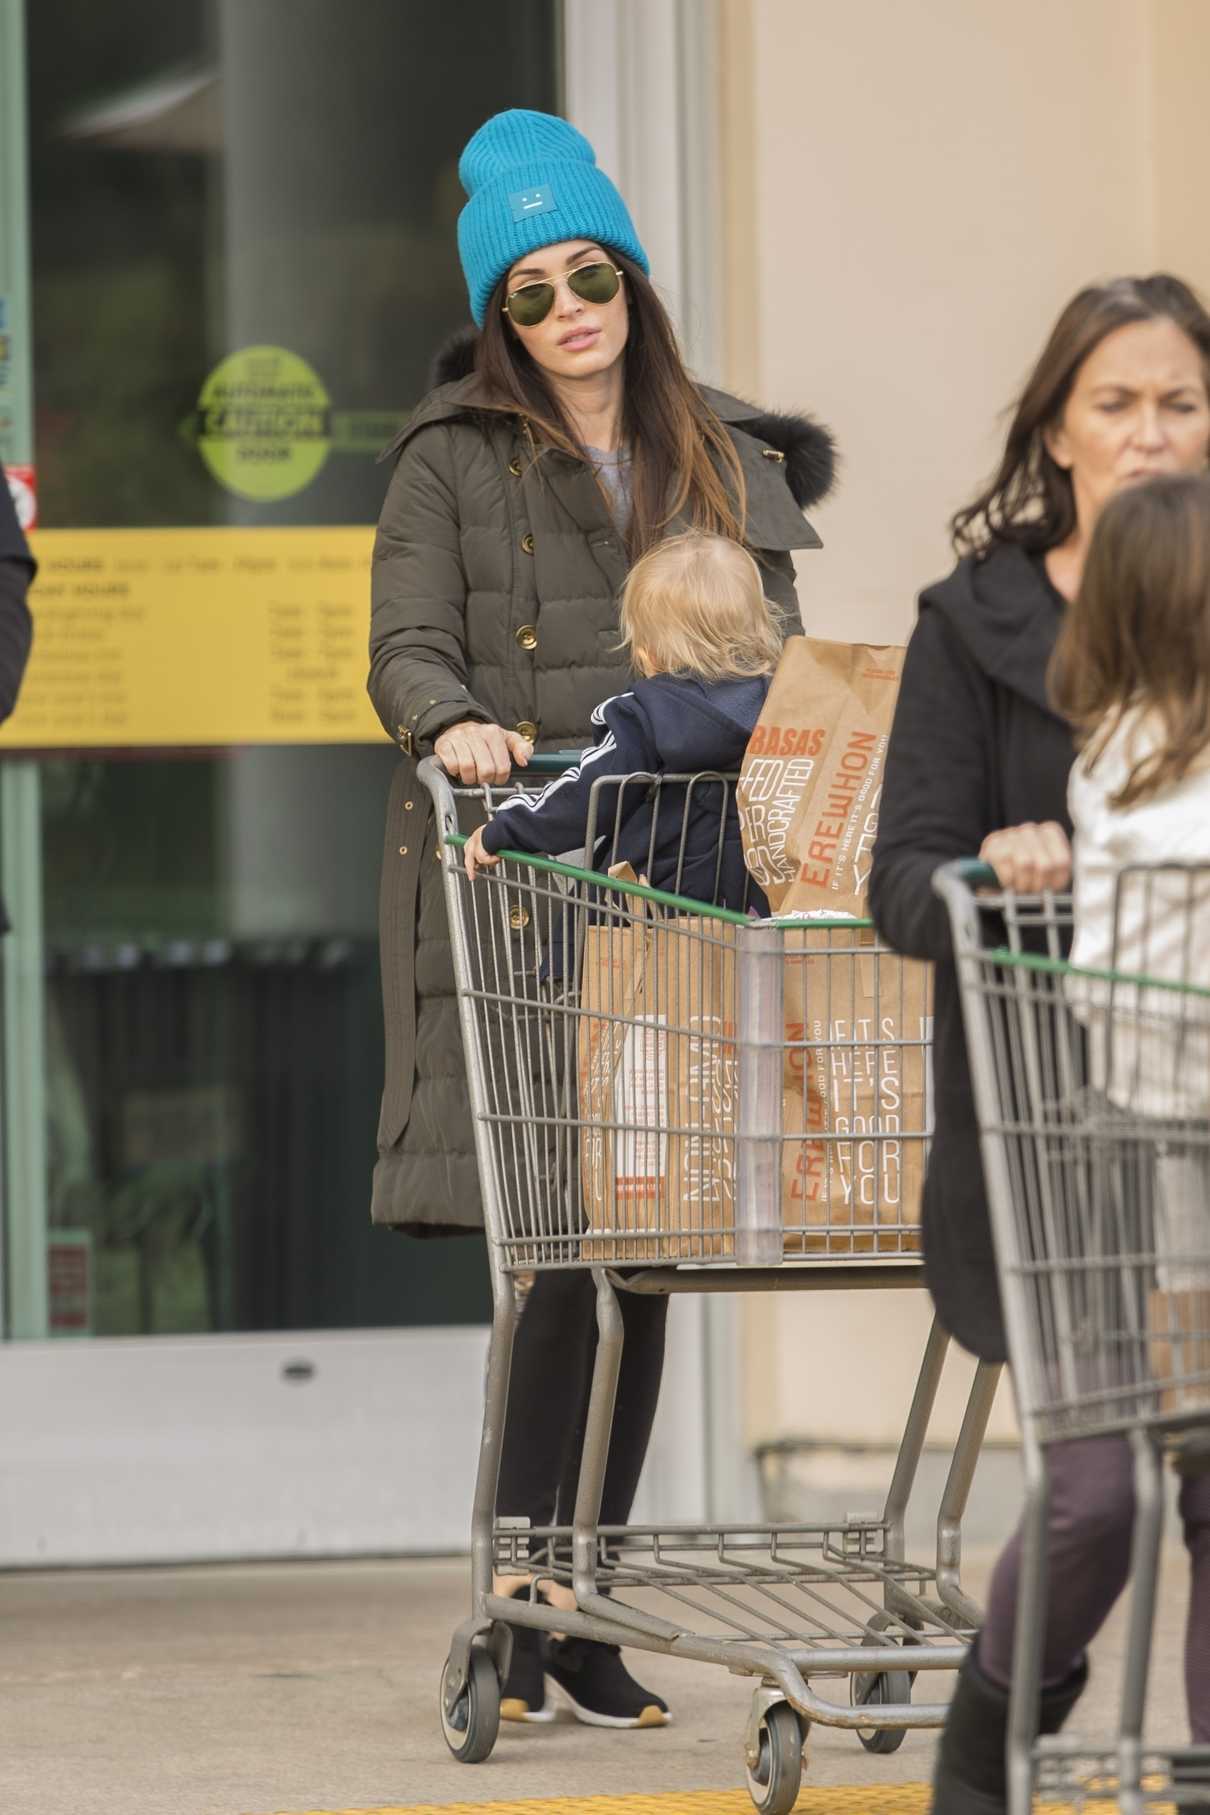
263	424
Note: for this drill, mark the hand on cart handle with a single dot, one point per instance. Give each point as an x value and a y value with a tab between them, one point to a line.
475	857
1029	858
477	754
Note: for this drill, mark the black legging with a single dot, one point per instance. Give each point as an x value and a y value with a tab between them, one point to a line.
553	1358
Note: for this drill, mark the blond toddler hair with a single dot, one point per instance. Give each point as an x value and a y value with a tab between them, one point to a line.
695	605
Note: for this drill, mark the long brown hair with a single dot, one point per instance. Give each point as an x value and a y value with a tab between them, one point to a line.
683	461
1030	501
1137	636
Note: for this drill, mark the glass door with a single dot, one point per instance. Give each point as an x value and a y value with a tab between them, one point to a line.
241	259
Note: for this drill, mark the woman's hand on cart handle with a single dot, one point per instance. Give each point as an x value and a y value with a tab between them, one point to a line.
1029	859
477	754
475	857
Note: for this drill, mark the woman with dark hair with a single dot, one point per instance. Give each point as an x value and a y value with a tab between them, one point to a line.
978	762
563	440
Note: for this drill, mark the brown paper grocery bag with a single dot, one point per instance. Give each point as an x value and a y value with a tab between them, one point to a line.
812	774
657	1091
658	1094
856	1070
1179	1347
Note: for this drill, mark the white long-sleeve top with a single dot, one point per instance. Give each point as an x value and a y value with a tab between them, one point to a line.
1150	1047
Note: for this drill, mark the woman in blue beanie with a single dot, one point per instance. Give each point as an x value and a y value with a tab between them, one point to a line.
563	439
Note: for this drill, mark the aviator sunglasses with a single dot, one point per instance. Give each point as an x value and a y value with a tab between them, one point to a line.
532	303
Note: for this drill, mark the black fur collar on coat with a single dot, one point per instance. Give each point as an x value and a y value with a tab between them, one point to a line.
809	447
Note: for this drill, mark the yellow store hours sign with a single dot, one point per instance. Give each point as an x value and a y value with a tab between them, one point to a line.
177	637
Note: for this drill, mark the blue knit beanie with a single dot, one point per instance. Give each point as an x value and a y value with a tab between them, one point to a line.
532	180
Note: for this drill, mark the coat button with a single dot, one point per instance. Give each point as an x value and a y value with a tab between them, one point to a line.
403	850
514	467
527	543
407	806
772	453
519	918
527	728
526	636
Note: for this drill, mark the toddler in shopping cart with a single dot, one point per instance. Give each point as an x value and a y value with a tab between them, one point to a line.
703	643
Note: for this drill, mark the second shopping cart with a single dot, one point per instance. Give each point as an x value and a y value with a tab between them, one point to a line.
1091	1088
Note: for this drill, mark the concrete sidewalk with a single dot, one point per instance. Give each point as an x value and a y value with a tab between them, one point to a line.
312	1687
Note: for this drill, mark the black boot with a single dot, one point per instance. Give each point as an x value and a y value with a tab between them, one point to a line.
1193	1777
1058	1702
971	1777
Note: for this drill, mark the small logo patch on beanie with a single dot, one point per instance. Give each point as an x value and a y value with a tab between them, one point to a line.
540	200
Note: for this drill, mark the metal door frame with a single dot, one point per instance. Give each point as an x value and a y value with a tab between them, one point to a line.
125	1450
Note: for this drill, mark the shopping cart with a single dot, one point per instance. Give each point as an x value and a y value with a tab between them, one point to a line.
685	1099
1097	1158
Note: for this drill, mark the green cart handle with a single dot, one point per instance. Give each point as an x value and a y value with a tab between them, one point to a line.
549	762
975	873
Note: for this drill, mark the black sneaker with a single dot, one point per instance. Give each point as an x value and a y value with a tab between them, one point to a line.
523	1693
598	1687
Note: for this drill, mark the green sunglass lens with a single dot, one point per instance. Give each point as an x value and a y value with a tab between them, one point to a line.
533	302
531	305
594	283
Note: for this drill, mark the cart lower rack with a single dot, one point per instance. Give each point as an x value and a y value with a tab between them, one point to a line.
683	1098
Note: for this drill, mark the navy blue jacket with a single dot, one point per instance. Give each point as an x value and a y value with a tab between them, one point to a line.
686	838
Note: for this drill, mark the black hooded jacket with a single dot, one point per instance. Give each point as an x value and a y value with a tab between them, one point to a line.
975	746
17	569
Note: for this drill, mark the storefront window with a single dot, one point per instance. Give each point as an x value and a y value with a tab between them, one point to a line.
243	259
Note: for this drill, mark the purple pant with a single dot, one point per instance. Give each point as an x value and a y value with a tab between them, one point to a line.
1090	1527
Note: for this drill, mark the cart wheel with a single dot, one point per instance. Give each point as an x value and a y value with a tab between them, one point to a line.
776	1777
876	1692
470	1718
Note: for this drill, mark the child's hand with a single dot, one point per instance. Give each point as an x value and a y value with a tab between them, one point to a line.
1029	858
475	857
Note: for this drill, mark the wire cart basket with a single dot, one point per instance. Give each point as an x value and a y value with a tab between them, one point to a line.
684	1098
1092	1089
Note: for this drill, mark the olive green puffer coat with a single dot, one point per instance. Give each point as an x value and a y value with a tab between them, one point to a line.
495	586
